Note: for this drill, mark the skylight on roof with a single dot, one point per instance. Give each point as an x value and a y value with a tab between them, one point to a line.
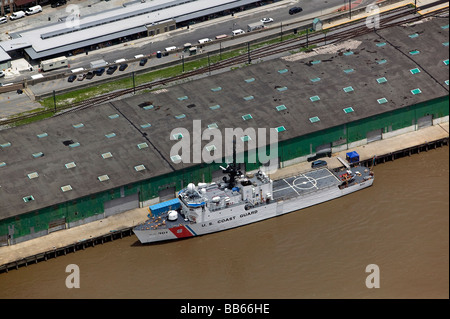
445	62
38	154
217	89
414	35
215	107
176	159
283	71
416	91
445	44
7	144
247	117
139	168
444	27
249	98
109	135
103	178
250	80
382	100
146	125
246	138
280	129
414	71
314	98
177	136
348	110
347	71
79	125
348	89
142	145
281	107
381	80
74	145
33	175
113	116
2	164
27	199
314	119
382	61
66	188
42	135
348	53
414	52
382	44
181	116
315	80
70	165
213	126
106	155
316	62
148	107
281	89
182	98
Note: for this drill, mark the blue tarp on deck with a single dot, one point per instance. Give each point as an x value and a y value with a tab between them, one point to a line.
352	157
159	208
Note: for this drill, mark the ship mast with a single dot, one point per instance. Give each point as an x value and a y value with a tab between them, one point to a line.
232	169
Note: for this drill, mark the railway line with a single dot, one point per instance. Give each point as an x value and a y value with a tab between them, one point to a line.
399	16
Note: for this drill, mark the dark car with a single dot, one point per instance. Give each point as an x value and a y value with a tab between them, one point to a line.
58	3
72	78
123	67
295	10
111	69
99	72
90	75
318	163
142	62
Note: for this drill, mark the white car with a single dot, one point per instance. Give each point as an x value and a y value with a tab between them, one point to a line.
2	74
266	20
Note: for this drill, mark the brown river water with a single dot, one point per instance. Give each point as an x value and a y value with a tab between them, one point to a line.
401	224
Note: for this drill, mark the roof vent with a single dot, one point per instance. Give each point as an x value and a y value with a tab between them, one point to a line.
66	188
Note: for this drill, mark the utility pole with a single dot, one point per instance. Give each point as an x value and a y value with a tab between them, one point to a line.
248	53
54	99
281	31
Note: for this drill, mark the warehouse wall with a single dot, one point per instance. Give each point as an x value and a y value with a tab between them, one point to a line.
87	209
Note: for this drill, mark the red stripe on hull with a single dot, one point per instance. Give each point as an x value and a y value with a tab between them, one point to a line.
181	232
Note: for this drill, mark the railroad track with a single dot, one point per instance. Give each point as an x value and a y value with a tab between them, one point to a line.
337	34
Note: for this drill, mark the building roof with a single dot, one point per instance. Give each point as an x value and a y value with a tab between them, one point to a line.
77	32
303	95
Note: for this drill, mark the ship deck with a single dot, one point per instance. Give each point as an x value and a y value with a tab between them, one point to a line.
303	184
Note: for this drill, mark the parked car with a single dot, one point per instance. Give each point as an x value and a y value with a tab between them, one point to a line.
72	78
2	74
111	69
238	31
123	67
266	20
3	19
143	62
90	75
58	3
318	163
295	10
99	72
17	15
80	77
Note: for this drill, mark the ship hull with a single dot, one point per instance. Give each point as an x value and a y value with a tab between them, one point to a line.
238	216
